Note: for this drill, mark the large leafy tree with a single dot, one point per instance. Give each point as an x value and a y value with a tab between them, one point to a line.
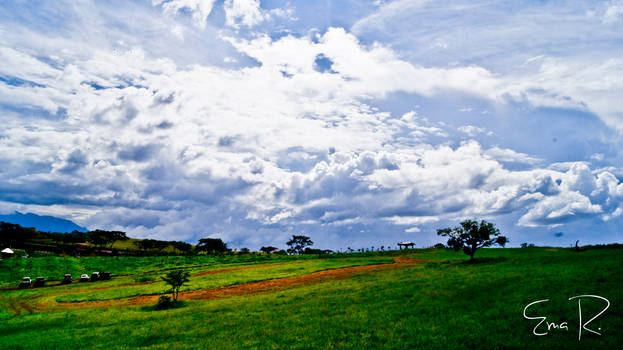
212	245
102	237
176	279
298	243
268	249
470	236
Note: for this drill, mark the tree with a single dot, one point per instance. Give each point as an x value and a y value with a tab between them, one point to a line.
245	250
212	245
147	244
298	243
471	236
176	279
101	237
268	249
11	234
182	246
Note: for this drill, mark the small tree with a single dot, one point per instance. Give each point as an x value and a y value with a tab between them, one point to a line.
298	243
470	236
176	279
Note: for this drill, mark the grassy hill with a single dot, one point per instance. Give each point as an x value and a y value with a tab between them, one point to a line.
427	299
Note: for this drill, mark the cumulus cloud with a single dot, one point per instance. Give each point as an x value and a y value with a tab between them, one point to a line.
200	9
243	12
247	13
613	12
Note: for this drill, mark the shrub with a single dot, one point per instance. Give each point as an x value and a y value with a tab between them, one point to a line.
164	302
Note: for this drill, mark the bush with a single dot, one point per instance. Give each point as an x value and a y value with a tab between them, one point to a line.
143	279
164	302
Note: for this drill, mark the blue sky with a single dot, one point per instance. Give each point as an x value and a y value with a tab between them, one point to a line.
359	123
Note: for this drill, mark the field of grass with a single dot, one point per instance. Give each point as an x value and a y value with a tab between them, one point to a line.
429	299
54	267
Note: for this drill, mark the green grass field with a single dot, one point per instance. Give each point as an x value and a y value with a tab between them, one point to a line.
428	299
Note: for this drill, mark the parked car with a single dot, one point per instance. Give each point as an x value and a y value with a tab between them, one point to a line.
25	283
66	279
95	276
39	282
84	278
105	275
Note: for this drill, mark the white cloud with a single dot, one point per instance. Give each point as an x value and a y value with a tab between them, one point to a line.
471	130
364	71
178	31
508	155
388	11
243	13
238	13
555	210
200	9
513	46
573	83
613	12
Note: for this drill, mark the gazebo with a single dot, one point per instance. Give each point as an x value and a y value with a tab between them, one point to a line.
7	253
406	245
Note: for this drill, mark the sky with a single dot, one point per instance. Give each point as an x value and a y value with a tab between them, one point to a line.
357	123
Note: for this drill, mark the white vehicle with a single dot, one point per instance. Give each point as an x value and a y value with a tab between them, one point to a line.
84	278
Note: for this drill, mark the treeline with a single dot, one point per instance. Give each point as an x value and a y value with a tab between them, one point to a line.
102	242
15	235
96	242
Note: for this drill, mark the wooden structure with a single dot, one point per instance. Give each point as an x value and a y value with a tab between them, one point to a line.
406	245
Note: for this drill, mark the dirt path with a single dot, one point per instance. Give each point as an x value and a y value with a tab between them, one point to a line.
250	288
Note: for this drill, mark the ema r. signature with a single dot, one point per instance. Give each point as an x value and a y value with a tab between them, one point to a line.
583	326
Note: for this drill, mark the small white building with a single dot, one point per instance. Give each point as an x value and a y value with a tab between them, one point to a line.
7	253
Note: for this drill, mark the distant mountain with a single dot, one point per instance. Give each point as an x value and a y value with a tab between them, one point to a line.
42	223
